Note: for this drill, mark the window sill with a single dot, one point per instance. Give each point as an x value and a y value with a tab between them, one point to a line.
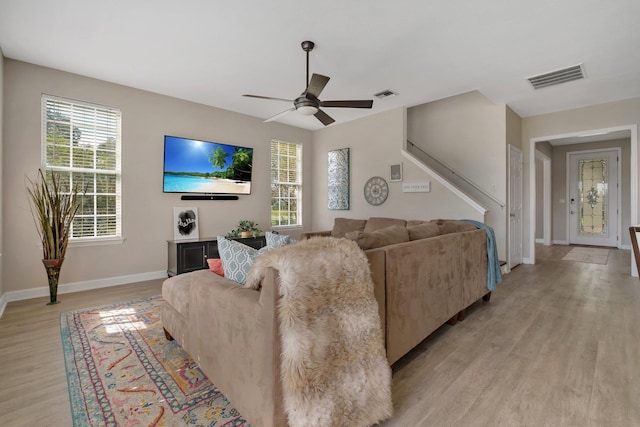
96	242
287	227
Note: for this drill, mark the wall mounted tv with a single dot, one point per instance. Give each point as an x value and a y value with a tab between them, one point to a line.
194	166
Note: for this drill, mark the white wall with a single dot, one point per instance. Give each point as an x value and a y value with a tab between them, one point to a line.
375	144
469	133
147	212
603	116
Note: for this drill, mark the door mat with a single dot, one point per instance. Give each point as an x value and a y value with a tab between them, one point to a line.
588	255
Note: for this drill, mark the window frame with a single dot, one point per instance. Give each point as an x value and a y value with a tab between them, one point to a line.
298	184
94	240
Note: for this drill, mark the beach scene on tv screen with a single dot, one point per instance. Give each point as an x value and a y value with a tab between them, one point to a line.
192	166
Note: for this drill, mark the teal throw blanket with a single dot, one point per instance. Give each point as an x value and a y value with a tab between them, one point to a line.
494	275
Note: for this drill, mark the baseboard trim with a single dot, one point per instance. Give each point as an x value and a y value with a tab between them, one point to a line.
83	286
626	247
560	242
539	240
526	260
3	303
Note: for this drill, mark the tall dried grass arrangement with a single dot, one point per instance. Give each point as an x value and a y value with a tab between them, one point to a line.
53	208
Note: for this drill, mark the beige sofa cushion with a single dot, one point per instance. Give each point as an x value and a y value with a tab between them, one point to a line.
423	231
447	226
414	222
377	239
374	223
341	226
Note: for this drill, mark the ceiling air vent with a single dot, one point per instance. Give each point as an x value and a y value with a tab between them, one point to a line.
385	94
557	77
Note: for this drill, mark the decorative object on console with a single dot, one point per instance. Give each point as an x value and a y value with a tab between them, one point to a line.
338	191
246	229
376	190
53	208
185	223
395	172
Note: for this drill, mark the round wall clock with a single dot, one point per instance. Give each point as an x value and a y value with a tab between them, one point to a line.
376	190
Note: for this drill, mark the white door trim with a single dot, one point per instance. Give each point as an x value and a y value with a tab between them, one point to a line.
546	197
510	262
618	152
633	218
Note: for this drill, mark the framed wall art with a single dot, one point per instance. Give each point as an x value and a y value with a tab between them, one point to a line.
185	223
338	177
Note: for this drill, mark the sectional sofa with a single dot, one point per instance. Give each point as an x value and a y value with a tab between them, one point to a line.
425	273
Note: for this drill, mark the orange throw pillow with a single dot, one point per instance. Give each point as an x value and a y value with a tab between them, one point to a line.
215	265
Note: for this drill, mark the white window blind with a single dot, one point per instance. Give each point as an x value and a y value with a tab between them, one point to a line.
81	143
286	184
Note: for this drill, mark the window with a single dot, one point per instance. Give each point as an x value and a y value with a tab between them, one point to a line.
286	184
81	143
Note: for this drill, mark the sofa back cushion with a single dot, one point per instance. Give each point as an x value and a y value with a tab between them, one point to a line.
377	239
447	226
375	223
423	231
341	226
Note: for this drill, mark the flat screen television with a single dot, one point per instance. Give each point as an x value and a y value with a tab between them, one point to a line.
203	167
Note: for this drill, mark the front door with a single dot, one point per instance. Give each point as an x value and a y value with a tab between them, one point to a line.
593	198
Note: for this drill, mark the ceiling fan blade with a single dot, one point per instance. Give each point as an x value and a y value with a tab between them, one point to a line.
268	97
317	83
277	116
324	117
348	104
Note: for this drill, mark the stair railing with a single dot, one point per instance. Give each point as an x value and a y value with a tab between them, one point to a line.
413	147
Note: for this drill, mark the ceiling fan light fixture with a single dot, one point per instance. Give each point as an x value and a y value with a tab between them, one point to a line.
307	110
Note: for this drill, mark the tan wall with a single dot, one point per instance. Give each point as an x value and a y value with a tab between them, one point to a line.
559	185
147	212
514	129
2	60
375	144
469	133
602	116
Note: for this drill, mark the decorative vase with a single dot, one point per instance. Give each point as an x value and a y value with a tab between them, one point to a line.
246	234
53	273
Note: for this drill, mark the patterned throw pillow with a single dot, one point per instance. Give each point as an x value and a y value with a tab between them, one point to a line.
277	240
237	259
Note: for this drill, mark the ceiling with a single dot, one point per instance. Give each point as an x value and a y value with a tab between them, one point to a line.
212	52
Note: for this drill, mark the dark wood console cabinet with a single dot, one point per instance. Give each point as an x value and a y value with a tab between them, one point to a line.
191	255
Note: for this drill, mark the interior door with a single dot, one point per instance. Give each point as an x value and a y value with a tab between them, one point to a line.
515	206
593	198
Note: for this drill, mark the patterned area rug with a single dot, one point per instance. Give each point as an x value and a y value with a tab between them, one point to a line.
121	371
588	255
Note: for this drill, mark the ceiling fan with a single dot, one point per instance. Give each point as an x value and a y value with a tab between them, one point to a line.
308	103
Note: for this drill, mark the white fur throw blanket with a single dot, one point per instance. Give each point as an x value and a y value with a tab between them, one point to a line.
334	367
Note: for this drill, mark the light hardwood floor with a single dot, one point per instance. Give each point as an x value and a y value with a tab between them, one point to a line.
557	345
